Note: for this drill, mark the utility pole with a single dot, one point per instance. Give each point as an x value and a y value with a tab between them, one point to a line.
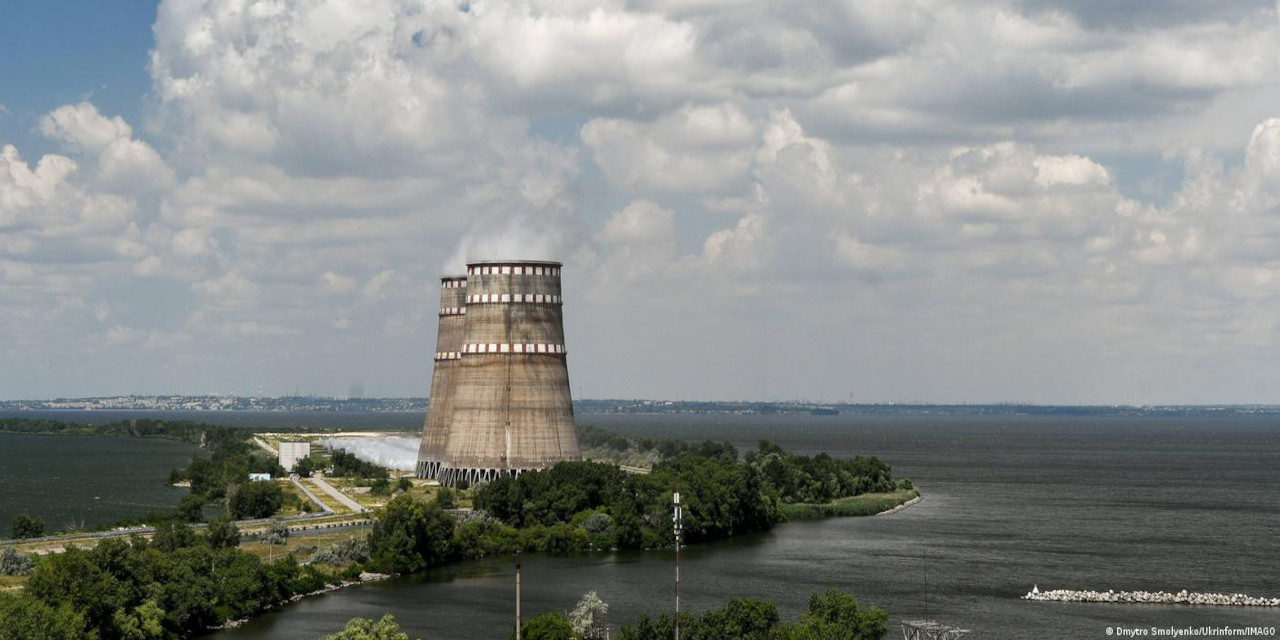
517	594
678	522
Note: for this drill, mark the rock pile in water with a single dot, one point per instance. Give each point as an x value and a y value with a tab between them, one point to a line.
1149	597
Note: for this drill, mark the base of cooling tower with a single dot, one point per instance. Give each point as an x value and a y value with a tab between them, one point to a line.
453	476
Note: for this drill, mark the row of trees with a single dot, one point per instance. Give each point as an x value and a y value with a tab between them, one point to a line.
587	504
797	479
833	615
610	508
178	584
346	464
820	478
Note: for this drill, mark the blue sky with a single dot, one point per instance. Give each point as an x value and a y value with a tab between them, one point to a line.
65	52
1012	200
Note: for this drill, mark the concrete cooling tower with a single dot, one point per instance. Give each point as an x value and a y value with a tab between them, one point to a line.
500	401
453	309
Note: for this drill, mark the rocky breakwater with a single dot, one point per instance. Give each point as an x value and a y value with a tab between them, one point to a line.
1150	597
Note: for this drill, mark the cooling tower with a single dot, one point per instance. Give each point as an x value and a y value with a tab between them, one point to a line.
509	408
453	309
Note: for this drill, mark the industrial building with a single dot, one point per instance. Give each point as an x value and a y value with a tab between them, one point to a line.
500	401
292	452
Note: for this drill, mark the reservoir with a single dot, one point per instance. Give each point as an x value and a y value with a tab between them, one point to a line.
86	481
1010	502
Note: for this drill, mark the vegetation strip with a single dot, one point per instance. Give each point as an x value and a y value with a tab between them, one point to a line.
182	582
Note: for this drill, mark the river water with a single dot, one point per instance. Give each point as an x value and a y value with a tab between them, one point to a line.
86	481
1011	502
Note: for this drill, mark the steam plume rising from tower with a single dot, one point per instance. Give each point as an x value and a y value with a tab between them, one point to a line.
505	404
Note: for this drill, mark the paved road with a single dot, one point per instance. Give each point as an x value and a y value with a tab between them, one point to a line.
263	443
292	521
338	495
310	496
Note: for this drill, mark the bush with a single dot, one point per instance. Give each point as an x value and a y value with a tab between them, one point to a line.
256	500
278	533
13	563
548	626
364	629
25	526
349	551
191	508
172	535
445	497
223	534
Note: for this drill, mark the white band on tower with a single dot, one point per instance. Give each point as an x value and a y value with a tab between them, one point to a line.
518	347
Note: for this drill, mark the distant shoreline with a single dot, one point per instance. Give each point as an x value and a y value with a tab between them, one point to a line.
340	405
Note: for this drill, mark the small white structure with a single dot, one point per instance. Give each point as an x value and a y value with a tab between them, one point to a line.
292	452
259	477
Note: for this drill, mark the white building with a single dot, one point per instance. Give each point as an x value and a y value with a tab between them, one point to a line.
292	452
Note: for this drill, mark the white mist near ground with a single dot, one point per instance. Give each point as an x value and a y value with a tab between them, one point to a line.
392	452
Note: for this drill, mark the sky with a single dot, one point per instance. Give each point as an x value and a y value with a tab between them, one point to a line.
1046	201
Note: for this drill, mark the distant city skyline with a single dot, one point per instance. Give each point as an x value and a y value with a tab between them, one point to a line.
1040	201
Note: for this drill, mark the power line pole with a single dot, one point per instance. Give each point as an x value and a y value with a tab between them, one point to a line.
517	594
677	520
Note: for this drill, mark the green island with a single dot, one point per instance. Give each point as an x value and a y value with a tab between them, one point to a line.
182	576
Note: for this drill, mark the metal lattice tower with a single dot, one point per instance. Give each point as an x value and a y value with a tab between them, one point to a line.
507	406
930	630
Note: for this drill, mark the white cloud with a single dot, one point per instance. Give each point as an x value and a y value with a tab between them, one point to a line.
989	181
640	222
694	149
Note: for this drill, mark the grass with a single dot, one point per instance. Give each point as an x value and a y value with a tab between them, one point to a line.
867	504
301	546
289	509
12	583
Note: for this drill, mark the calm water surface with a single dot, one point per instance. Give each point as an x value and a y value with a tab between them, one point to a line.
86	480
1011	502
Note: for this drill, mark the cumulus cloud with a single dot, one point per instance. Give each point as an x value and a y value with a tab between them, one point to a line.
1034	185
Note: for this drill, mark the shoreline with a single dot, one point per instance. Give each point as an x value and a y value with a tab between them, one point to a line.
365	578
368	577
900	507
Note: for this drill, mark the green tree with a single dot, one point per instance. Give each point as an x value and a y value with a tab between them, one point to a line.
145	622
306	466
740	618
256	500
548	626
835	615
404	484
380	487
72	578
25	526
410	535
445	497
171	535
23	617
223	534
191	508
365	629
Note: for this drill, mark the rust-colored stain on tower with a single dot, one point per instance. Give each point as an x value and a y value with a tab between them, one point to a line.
500	401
